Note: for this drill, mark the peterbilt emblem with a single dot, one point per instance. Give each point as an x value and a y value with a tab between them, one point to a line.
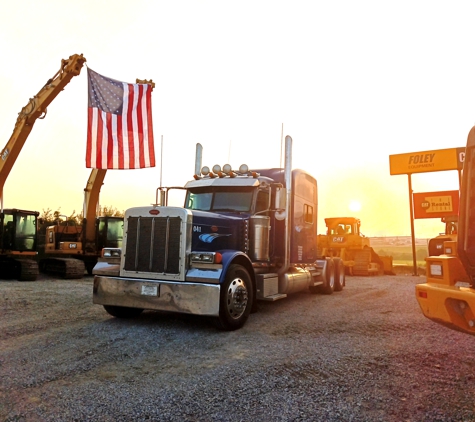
209	237
154	212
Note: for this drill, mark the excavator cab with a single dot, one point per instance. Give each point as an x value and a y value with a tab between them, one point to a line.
18	240
110	232
19	230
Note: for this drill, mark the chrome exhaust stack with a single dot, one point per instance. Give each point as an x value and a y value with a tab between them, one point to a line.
198	158
288	187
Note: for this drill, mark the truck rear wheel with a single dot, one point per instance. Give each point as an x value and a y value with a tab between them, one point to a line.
339	275
122	311
236	299
328	279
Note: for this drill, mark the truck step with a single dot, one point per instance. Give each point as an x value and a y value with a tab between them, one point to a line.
273	298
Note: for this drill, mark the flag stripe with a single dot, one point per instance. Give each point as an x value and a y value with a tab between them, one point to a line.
119	130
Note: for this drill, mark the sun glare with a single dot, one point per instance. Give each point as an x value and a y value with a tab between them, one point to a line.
354	206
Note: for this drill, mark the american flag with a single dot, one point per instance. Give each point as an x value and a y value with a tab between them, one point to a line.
119	124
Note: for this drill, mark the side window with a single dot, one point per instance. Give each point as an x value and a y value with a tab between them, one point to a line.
262	202
308	213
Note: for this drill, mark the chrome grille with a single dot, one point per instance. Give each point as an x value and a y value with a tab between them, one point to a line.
153	244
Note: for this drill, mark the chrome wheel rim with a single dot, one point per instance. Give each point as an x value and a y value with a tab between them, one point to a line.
236	298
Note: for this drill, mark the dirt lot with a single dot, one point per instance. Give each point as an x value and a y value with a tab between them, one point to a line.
363	354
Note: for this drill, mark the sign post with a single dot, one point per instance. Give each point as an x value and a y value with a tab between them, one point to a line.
423	162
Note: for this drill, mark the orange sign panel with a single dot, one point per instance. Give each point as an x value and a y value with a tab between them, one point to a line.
436	204
427	161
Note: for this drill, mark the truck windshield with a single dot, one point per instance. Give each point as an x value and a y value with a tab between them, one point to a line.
223	199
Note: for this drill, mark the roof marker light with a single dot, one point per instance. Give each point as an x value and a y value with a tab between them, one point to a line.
216	168
243	168
205	170
227	168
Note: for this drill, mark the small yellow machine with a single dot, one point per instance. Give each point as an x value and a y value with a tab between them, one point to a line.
344	240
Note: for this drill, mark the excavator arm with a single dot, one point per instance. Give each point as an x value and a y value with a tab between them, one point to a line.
36	109
91	200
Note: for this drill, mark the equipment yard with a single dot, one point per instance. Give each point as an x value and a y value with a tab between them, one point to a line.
366	353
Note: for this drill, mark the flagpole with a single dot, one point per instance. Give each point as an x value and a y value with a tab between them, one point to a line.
281	140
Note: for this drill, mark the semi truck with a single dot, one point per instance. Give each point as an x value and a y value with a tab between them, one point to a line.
448	295
242	236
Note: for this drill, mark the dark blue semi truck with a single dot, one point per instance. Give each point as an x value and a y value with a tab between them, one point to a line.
242	236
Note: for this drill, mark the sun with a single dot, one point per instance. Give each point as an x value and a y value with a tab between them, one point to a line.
354	206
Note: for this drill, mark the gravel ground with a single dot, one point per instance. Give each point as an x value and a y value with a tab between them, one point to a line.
364	354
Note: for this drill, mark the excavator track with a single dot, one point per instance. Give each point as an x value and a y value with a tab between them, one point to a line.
19	269
28	270
67	268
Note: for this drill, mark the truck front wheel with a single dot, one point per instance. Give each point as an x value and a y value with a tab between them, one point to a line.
236	299
122	311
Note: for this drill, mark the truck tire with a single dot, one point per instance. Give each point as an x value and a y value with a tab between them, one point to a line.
122	311
236	299
339	275
328	279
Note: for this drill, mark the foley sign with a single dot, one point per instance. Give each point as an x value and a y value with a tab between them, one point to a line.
426	161
436	204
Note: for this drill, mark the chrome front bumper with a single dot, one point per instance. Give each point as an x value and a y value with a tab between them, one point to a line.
161	295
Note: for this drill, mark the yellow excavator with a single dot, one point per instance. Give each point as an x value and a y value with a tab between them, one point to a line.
345	240
18	228
448	295
71	249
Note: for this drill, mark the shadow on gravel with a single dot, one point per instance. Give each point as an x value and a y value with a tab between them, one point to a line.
165	320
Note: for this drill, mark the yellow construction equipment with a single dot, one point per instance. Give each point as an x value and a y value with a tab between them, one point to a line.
448	295
83	242
344	240
15	254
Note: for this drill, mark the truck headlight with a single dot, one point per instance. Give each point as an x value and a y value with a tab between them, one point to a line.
205	258
111	253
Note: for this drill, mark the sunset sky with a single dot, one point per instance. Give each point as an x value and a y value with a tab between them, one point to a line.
351	83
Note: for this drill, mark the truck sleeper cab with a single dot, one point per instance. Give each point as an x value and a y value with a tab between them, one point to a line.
242	236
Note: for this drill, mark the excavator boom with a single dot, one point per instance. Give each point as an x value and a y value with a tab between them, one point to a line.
36	109
91	199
